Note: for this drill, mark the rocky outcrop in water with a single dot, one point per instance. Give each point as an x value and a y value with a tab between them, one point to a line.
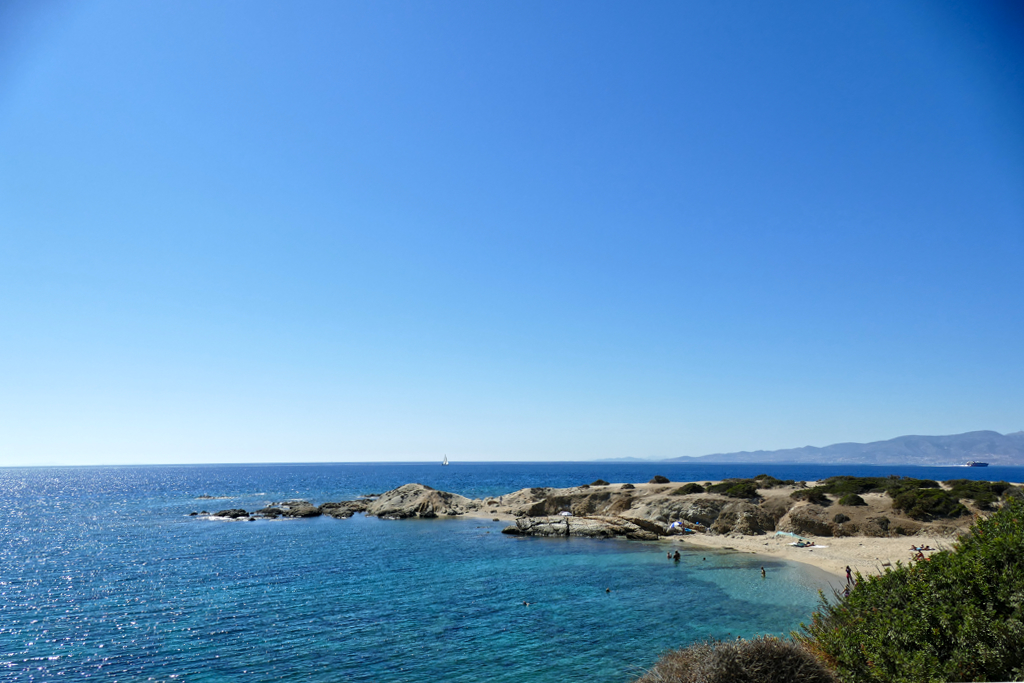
417	500
634	511
587	527
345	509
230	514
289	508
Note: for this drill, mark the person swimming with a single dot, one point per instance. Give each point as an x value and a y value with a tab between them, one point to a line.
676	556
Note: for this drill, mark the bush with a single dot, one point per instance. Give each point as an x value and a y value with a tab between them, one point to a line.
851	500
1013	492
924	504
983	493
892	485
956	617
813	495
599	482
840	518
765	481
626	487
735	488
766	659
742	490
687	489
658	479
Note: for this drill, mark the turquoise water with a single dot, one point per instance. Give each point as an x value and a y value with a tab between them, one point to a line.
104	575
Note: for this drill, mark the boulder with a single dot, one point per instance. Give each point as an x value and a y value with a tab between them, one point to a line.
580	503
743	518
231	514
417	500
808	520
647	525
344	509
298	508
587	527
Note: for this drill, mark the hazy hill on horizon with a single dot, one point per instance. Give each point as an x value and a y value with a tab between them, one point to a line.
956	449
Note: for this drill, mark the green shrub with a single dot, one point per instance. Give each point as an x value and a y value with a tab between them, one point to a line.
851	500
687	489
924	504
599	482
893	485
812	495
765	481
1013	492
742	490
983	493
735	488
658	479
766	659
840	486
840	518
956	617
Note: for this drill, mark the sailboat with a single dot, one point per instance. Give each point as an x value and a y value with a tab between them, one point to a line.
445	461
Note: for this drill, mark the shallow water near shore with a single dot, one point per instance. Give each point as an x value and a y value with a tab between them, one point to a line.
103	574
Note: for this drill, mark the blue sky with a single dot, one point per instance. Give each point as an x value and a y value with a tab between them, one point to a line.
328	231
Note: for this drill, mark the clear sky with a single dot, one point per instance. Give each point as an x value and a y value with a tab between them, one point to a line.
247	231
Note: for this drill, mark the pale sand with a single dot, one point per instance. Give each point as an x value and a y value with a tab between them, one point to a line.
862	554
867	555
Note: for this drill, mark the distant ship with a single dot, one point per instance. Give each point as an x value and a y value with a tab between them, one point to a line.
975	463
445	461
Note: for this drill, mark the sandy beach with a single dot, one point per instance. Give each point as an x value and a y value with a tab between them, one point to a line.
868	555
865	555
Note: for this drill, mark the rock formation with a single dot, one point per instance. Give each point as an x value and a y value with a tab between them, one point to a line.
634	511
345	509
417	500
589	527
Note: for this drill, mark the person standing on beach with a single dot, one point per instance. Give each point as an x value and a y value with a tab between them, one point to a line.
849	576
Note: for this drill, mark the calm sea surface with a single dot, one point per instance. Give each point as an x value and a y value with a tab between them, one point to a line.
104	575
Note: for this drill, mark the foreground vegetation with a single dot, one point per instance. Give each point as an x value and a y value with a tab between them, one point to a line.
958	616
761	660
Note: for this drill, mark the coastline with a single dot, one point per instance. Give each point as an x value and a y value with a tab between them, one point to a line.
863	554
867	555
761	516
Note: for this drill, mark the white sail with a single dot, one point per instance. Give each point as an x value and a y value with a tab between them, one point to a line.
445	461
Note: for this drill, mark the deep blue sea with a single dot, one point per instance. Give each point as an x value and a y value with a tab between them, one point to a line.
105	576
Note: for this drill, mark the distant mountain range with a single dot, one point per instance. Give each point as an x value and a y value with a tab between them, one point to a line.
991	447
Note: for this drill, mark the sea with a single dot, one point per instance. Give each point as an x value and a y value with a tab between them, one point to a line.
105	575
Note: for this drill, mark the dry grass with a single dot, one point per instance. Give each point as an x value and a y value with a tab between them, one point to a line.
762	660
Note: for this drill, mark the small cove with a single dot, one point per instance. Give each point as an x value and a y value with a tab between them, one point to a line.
104	574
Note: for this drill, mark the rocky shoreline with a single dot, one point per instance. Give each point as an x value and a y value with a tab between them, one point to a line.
642	511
